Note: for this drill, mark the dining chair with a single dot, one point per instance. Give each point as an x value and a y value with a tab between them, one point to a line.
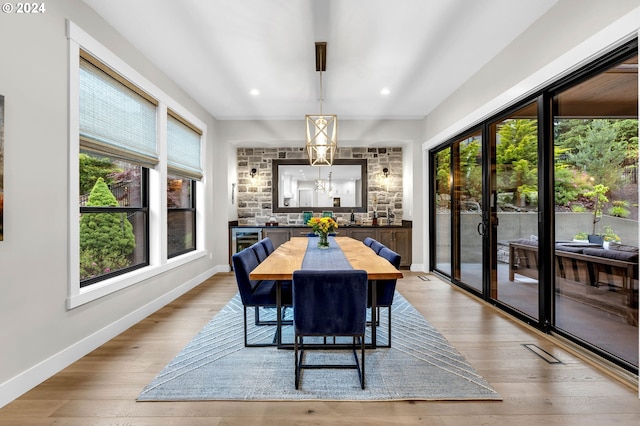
260	251
385	290
376	246
256	293
268	245
329	304
368	241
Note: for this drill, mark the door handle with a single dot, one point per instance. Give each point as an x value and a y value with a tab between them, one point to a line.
482	229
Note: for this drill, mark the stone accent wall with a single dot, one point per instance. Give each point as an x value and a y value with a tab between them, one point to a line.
254	196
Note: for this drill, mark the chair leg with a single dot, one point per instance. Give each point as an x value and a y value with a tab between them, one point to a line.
298	362
389	324
359	364
362	345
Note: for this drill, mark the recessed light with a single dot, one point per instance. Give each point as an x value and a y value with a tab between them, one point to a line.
385	91
255	92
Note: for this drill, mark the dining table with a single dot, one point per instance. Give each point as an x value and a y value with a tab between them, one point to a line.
290	257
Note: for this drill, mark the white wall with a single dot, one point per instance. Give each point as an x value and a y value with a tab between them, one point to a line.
568	36
38	334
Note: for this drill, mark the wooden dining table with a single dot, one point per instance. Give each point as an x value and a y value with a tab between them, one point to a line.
288	257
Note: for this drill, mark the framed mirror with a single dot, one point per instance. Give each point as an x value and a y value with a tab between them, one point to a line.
299	187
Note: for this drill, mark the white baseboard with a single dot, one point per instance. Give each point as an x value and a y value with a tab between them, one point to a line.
28	379
417	267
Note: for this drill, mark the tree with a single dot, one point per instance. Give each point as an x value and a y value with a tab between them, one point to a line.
600	153
517	156
106	239
92	168
599	198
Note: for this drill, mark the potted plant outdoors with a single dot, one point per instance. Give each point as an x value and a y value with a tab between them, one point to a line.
599	198
609	237
581	236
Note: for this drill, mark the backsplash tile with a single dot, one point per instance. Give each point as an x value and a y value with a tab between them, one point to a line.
254	198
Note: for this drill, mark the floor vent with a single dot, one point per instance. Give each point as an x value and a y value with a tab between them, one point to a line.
542	353
424	278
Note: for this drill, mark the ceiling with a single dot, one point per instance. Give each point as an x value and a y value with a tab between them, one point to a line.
420	50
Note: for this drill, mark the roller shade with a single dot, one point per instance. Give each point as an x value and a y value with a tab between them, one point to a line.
114	119
183	149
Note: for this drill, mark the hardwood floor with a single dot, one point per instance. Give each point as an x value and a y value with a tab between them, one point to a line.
100	389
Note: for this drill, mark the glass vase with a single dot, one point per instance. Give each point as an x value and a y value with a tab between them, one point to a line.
323	240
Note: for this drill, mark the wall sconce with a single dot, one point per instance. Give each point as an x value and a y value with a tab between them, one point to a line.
385	177
253	174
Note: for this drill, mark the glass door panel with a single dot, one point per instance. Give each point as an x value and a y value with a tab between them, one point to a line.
442	203
468	210
514	210
596	210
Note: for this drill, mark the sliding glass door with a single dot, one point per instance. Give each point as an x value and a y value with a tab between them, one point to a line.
467	210
596	210
537	207
514	210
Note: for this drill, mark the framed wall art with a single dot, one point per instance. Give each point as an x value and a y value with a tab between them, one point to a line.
1	166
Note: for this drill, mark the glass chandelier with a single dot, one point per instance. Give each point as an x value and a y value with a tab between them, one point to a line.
321	129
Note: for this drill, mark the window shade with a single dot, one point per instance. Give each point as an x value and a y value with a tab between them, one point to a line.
114	119
183	149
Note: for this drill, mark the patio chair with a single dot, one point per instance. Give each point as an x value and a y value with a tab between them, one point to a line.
254	293
385	289
329	304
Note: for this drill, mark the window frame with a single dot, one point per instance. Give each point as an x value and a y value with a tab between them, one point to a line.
158	261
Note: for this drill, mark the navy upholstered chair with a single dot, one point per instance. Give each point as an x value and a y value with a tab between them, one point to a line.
256	293
329	304
376	246
268	245
385	289
260	251
368	241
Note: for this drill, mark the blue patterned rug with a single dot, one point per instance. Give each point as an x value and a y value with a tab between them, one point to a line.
215	365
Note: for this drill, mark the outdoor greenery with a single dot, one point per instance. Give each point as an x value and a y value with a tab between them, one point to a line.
106	239
595	160
92	168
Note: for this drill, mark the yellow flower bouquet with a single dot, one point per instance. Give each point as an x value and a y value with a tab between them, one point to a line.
322	226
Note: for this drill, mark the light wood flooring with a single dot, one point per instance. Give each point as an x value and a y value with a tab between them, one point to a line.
101	388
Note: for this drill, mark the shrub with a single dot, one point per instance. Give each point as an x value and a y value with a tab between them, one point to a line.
619	209
106	239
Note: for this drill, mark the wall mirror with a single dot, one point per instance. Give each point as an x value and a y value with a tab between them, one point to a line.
299	187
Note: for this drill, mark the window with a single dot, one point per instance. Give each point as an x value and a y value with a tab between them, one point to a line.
113	217
118	144
183	163
181	215
127	138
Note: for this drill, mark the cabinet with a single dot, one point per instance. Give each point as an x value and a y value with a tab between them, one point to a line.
358	233
277	235
398	240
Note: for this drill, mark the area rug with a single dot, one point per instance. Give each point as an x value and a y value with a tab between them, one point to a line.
215	365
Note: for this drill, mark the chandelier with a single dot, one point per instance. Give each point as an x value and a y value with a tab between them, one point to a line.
321	129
